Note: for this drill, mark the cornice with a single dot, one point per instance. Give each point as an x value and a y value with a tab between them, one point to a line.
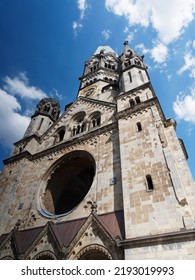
27	139
142	87
137	108
17	157
132	66
95	72
98	102
152	240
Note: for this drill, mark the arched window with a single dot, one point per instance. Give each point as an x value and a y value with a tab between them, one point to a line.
137	99
61	134
137	62
95	120
139	127
131	103
79	123
150	185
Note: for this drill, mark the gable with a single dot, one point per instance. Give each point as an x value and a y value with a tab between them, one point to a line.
98	235
103	230
82	117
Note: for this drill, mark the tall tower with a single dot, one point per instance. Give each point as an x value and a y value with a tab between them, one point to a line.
108	179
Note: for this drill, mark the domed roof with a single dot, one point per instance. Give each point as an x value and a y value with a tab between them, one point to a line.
104	49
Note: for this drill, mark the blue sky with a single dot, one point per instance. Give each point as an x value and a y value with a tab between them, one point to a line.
44	44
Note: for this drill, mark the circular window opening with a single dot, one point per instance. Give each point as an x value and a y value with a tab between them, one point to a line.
69	182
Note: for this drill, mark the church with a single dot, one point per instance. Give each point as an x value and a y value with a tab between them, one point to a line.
107	179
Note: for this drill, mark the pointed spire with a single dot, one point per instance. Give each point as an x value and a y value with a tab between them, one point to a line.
128	52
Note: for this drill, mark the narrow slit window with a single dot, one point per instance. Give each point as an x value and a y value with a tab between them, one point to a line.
130	77
41	122
139	127
131	103
141	76
150	185
137	99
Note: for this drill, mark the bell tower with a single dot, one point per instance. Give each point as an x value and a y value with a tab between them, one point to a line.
100	77
133	70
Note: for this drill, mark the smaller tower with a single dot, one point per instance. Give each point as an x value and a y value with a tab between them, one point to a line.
46	113
133	70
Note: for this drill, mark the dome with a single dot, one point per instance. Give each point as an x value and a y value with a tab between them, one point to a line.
105	49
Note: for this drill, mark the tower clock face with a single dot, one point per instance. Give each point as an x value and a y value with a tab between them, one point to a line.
89	92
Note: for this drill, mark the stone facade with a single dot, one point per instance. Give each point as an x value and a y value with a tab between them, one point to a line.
108	179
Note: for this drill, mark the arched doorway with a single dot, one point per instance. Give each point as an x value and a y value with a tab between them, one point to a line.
94	252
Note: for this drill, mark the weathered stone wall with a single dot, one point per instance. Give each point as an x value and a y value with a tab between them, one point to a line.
142	153
27	181
171	251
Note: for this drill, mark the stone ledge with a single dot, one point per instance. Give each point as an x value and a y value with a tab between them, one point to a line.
172	237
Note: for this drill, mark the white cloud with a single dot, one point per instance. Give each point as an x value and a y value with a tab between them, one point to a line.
82	5
55	94
76	27
19	86
184	107
190	44
142	48
130	35
189	62
12	123
168	18
77	24
106	34
159	53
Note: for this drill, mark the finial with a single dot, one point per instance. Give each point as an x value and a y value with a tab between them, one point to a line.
126	43
93	206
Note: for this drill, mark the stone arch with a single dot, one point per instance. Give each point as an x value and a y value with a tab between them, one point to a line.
94	252
78	123
7	258
59	135
45	255
95	120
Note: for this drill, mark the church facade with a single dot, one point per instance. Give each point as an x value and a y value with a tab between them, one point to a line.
107	179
